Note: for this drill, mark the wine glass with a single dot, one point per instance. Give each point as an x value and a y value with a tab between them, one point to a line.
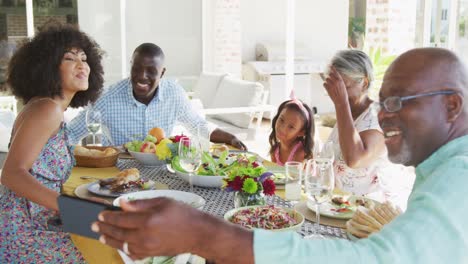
320	181
190	153
93	122
324	150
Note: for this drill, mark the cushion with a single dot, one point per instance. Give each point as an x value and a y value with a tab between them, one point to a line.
206	87
233	92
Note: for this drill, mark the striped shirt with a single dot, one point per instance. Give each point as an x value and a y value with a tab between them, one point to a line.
127	119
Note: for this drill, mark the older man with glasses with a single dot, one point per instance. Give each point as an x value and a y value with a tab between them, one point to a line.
424	118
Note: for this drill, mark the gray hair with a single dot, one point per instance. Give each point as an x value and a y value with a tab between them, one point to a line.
354	64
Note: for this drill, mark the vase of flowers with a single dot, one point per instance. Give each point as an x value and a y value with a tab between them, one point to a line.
250	182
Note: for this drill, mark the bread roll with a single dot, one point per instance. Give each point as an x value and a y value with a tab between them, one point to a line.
109	151
367	221
81	151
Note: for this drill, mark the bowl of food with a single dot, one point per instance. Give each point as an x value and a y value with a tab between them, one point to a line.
95	156
267	217
147	159
213	169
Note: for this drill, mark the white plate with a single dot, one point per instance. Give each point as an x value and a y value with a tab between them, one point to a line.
95	188
189	198
147	159
179	259
326	208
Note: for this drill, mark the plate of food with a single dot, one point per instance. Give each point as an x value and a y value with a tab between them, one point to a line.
279	173
191	199
342	206
268	217
126	181
213	170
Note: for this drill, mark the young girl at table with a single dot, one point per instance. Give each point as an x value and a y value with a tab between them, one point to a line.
292	135
58	68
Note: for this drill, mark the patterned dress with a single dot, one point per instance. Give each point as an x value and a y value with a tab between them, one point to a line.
362	181
28	232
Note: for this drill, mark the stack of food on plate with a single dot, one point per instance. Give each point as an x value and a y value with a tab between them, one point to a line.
366	221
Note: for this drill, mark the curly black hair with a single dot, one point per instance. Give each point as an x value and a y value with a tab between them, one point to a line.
309	127
34	70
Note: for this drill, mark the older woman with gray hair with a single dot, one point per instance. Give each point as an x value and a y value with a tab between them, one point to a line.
359	146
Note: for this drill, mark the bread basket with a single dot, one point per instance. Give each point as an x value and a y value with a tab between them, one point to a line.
97	162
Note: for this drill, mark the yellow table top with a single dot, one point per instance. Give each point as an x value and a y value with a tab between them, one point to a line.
92	250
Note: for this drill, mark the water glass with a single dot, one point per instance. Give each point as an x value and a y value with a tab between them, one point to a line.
293	181
190	154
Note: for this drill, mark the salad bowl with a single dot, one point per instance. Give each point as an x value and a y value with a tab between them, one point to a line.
269	212
212	171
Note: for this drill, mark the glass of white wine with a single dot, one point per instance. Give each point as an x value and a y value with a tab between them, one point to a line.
93	122
320	181
190	153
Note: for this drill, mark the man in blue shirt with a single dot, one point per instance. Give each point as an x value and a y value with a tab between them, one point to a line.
133	106
424	117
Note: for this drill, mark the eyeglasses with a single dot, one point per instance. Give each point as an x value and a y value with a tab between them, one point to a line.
395	103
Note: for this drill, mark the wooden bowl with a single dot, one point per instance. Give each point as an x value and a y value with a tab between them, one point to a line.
97	162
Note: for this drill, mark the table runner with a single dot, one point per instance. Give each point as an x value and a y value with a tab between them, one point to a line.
218	201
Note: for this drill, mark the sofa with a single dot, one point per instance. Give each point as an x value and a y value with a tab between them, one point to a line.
232	104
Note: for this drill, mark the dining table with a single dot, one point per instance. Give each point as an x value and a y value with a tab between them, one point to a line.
218	202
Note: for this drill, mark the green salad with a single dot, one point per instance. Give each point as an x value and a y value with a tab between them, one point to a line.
217	167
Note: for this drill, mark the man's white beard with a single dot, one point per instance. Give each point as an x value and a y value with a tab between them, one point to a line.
404	156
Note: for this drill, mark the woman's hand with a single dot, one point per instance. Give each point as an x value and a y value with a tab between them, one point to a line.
336	87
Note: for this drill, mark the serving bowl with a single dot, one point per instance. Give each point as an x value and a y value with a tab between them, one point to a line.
97	162
293	213
147	159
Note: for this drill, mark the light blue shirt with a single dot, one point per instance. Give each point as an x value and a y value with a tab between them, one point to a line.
434	228
127	119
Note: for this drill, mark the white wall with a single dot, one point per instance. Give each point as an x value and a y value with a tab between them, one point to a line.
101	20
322	26
175	26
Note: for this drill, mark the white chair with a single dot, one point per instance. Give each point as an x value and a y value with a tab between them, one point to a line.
232	104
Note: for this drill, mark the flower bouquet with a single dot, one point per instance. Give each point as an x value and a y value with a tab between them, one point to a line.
250	181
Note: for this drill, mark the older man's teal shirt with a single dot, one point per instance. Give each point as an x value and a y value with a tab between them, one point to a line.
434	228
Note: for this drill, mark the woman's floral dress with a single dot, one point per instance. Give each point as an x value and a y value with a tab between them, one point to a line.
28	232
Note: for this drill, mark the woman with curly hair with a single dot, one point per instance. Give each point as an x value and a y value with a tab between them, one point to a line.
58	68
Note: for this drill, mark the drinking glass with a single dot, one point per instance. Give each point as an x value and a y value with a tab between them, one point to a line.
190	153
93	122
293	181
320	181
